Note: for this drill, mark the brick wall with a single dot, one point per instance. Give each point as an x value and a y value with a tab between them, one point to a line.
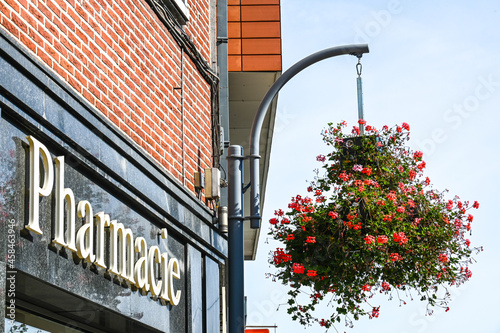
122	60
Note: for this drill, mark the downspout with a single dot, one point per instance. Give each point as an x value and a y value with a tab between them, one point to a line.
222	51
182	121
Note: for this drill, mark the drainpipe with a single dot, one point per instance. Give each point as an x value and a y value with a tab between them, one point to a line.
222	40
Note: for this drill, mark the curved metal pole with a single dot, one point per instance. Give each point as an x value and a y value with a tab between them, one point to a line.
356	50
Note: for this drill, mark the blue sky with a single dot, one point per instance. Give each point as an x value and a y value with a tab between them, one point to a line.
432	65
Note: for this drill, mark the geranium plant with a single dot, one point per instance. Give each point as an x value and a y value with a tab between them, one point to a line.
371	223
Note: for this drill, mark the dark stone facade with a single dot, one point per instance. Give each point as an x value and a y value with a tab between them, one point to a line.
106	168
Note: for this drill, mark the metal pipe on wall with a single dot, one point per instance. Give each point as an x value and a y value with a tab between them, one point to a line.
236	240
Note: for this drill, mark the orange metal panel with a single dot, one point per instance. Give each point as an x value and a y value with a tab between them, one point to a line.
234	63
233	13
260	2
234	29
261	46
260	29
233	2
261	63
234	46
260	13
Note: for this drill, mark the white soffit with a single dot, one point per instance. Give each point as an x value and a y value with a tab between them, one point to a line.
246	90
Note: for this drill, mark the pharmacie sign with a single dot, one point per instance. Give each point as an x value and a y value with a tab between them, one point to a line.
129	257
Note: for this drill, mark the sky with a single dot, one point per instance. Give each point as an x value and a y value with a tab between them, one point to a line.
434	65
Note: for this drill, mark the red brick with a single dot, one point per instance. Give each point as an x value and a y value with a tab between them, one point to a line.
19	22
28	42
13	4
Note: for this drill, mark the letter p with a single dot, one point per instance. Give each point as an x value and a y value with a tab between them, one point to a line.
38	150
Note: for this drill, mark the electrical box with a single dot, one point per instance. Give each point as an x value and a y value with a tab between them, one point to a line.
199	180
212	183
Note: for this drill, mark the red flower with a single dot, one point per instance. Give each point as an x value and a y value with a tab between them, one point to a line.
367	171
476	204
406	126
395	257
443	258
382	239
285	221
467	242
391	196
386	286
362	122
369	239
290	237
470	218
366	287
375	312
311	273
449	205
333	215
311	239
418	155
400	238
344	176
279	212
298	268
421	166
274	221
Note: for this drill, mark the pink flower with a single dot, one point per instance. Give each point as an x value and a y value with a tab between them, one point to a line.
357	167
320	158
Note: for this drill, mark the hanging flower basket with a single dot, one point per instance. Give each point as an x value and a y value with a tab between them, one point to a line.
372	223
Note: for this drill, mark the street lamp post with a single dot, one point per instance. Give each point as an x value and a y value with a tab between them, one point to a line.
235	174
